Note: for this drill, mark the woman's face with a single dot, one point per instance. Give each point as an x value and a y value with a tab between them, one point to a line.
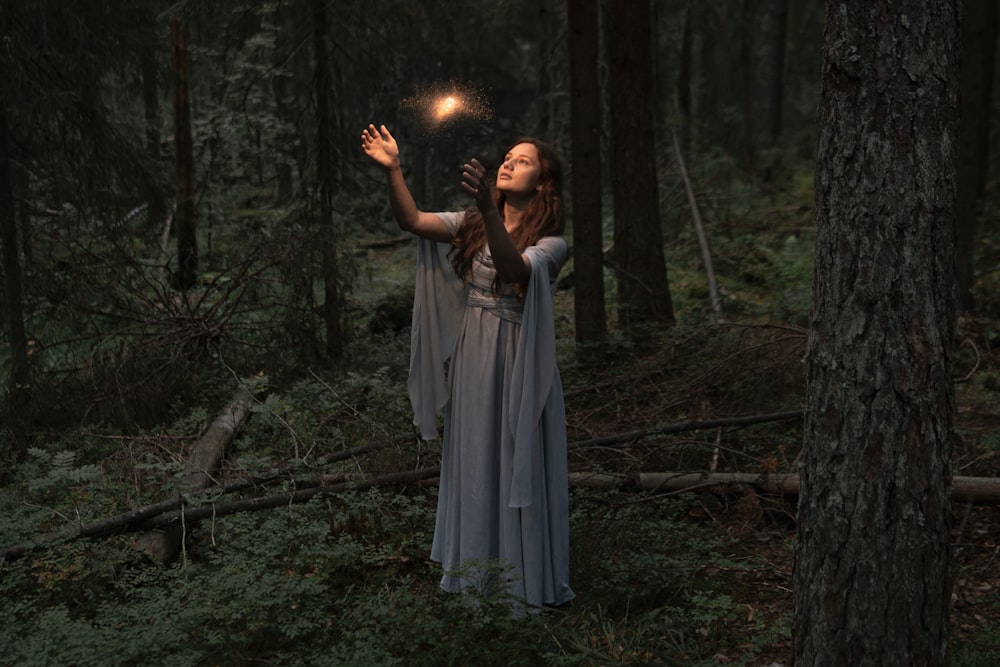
521	170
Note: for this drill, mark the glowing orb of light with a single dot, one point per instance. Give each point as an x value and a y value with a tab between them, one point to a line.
447	106
441	105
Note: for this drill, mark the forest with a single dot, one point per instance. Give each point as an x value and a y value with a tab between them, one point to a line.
777	330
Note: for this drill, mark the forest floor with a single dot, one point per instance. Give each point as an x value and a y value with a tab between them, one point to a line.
725	370
701	576
753	365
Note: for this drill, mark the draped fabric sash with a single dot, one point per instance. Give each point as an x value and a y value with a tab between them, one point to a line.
438	303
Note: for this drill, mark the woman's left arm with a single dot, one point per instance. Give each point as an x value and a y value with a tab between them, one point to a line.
511	265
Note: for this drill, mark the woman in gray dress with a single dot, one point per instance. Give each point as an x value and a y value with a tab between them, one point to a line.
483	310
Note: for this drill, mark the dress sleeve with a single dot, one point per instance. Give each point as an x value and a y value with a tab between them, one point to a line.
452	220
438	302
551	252
535	366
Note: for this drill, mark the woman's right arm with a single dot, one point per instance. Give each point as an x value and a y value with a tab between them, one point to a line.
380	146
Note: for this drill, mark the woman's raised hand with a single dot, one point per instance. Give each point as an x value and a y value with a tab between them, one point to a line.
379	145
474	181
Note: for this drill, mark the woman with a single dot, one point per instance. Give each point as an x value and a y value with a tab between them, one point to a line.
483	297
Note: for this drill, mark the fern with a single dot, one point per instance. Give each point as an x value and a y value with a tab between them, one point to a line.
62	470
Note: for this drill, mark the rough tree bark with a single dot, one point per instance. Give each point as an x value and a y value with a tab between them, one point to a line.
585	109
872	545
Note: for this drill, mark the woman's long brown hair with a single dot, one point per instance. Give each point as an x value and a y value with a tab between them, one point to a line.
543	217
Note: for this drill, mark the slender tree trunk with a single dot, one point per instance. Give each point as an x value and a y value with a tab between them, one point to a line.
150	99
872	545
747	88
684	73
187	241
157	210
979	46
706	74
19	387
585	109
773	72
324	169
643	292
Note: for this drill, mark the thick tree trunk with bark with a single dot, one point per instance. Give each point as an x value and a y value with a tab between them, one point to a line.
872	551
588	239
643	292
187	240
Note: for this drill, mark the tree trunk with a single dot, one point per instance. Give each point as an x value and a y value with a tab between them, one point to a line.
324	173
773	73
585	109
684	72
19	387
643	292
872	546
157	205
150	98
187	241
706	75
706	253
979	41
748	45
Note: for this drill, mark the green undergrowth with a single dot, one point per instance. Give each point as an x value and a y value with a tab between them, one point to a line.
345	580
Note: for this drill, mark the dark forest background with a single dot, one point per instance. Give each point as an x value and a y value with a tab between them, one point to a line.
190	232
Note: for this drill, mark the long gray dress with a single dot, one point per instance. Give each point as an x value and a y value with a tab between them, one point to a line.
503	496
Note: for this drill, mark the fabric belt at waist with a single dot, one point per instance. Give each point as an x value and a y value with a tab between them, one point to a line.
505	307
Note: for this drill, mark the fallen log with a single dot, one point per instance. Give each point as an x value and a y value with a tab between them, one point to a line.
170	513
975	490
667	482
144	518
706	255
205	459
173	514
215	510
